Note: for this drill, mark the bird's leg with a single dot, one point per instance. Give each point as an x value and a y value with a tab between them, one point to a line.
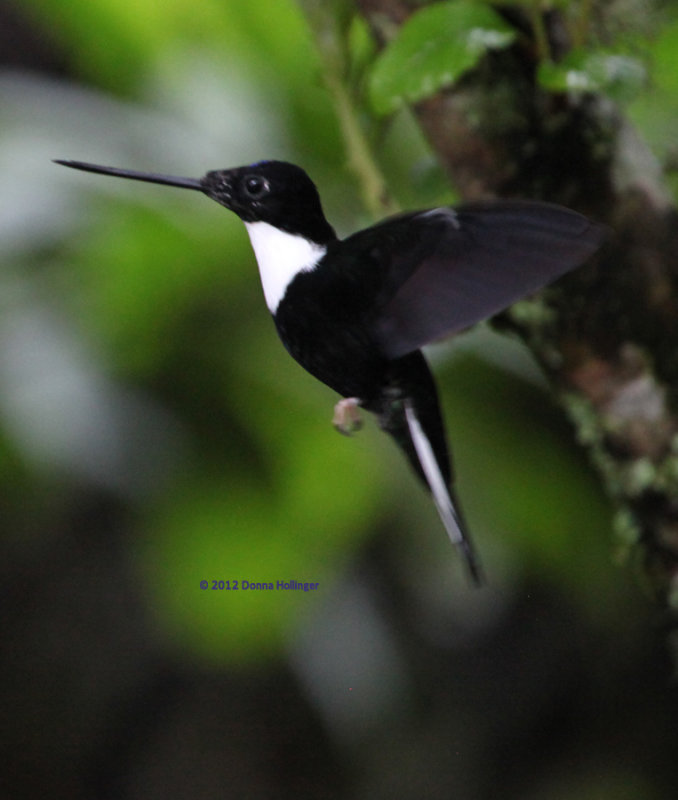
347	418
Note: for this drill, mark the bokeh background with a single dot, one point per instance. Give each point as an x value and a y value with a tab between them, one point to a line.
154	434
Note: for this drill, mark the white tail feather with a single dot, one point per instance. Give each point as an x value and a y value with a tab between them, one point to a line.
434	478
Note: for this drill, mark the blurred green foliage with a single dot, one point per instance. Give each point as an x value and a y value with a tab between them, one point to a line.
226	454
433	49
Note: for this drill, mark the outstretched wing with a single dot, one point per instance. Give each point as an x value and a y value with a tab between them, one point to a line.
448	269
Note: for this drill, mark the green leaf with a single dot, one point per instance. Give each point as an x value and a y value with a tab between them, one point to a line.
618	75
433	49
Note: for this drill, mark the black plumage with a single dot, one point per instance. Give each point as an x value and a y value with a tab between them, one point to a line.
355	312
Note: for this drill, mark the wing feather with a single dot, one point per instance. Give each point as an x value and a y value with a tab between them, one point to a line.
450	269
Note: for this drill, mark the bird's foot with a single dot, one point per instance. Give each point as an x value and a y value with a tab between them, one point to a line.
347	418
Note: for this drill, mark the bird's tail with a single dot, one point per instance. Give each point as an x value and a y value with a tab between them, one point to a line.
408	410
442	494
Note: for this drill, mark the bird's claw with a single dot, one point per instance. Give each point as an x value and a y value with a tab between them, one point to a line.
347	418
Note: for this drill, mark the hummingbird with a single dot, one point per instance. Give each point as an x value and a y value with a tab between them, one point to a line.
355	312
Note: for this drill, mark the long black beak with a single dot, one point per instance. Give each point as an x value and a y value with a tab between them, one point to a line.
149	177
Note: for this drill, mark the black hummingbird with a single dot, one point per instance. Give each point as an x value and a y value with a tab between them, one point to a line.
355	312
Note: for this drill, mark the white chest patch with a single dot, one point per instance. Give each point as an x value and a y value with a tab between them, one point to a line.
281	257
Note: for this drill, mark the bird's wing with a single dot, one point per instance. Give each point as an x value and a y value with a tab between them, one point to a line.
448	269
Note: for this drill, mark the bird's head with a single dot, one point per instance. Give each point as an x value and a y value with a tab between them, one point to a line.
275	192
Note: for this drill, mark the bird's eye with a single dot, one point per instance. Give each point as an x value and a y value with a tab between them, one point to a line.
256	186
